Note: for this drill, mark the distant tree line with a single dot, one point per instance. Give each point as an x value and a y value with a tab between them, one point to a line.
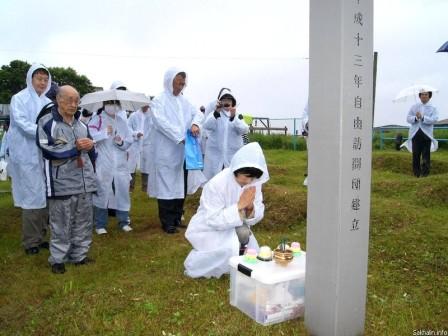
13	79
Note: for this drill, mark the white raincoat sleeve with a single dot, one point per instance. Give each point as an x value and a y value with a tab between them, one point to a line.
4	146
21	118
161	121
431	117
210	122
197	117
127	142
258	208
411	115
239	125
96	130
218	216
134	125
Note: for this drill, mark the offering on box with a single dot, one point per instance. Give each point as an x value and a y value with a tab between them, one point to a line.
295	248
250	256
265	253
283	253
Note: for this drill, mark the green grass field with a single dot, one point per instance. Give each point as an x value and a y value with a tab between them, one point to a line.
137	286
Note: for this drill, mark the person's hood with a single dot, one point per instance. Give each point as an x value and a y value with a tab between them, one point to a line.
169	77
227	92
29	77
53	92
117	84
250	155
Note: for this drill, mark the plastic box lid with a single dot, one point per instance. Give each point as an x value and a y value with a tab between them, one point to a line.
270	272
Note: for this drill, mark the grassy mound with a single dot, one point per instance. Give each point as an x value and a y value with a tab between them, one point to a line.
401	163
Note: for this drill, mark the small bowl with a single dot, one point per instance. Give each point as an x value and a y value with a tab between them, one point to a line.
283	257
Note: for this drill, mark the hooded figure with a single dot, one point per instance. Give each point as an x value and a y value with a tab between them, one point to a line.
118	85
172	116
213	229
136	124
109	129
28	184
422	117
145	158
224	131
25	161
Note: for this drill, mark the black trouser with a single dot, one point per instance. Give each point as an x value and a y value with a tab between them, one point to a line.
421	147
171	211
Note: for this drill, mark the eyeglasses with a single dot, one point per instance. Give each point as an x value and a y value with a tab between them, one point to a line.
70	100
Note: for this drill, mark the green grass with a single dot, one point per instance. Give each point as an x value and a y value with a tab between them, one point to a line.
137	286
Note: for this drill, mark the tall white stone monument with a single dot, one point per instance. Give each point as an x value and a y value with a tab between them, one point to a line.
340	105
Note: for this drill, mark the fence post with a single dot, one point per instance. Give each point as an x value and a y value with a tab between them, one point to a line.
381	138
294	136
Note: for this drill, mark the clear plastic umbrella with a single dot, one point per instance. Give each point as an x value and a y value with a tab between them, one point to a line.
129	100
412	92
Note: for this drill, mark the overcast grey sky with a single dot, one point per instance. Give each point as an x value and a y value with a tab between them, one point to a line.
259	48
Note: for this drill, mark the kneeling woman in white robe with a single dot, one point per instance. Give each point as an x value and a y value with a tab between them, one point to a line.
230	203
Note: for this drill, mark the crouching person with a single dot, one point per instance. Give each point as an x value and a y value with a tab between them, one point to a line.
231	202
69	155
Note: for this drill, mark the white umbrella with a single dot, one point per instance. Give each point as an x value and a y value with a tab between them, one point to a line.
130	101
412	92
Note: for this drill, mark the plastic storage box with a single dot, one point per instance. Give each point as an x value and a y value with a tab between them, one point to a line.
266	291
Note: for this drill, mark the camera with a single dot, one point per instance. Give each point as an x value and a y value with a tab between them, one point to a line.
226	105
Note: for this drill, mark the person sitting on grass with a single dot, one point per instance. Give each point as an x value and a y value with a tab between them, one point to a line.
231	202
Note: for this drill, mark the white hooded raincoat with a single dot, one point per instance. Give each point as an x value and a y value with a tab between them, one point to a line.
136	124
430	117
223	140
25	161
171	117
112	170
211	231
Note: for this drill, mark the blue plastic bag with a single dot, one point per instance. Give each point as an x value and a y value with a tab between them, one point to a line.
193	153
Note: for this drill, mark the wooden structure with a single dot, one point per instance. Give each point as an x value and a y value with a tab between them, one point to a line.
265	126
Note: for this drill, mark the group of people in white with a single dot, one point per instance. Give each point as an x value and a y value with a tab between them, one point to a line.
70	169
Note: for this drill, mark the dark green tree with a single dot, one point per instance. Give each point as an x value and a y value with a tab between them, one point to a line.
69	76
13	79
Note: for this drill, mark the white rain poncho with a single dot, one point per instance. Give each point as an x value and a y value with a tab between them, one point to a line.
211	231
171	117
224	138
145	157
136	124
25	159
430	117
112	170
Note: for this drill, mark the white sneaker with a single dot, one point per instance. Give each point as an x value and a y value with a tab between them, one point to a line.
100	231
126	228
